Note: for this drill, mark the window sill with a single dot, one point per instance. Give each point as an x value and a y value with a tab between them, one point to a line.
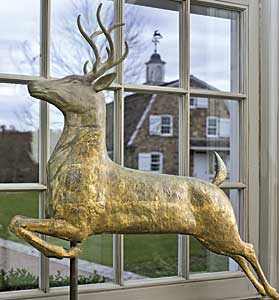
238	288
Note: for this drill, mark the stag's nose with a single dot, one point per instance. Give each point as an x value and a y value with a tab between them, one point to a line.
31	87
35	87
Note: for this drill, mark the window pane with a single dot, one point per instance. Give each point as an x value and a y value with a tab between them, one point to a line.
19	125
148	149
214	48
69	50
202	260
152	34
20	37
95	262
19	261
214	127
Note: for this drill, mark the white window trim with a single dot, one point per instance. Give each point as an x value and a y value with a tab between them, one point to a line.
208	119
147	165
170	126
160	161
157	130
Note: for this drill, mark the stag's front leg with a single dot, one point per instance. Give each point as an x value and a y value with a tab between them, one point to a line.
26	228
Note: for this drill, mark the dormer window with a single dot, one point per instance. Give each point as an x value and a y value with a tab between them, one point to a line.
161	125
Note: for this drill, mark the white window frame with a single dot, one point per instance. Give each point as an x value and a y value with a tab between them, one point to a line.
159	163
217	127
159	129
147	165
210	127
215	286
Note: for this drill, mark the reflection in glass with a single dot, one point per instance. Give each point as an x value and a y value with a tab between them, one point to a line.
151	144
19	137
152	34
202	260
94	263
214	48
214	126
69	50
20	37
19	262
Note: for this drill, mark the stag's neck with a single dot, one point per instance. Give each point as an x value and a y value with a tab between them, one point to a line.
83	135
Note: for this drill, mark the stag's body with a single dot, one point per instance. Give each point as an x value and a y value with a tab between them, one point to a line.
89	194
96	195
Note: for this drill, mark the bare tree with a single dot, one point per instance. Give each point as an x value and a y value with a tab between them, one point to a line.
69	50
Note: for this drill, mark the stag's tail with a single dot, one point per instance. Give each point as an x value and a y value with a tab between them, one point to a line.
221	173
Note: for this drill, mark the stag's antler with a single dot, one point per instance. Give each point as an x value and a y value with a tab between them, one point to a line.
99	67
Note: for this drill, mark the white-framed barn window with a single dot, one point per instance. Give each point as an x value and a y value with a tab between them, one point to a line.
161	125
151	162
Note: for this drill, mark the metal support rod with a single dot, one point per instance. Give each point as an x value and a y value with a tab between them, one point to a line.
73	276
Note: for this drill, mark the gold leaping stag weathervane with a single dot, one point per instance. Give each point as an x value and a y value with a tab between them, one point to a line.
89	194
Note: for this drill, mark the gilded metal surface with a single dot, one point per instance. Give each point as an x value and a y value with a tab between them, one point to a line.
89	194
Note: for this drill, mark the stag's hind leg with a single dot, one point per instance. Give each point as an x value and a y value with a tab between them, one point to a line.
26	228
250	255
243	264
231	251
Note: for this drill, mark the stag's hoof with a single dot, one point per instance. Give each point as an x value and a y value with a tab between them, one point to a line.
273	294
262	291
60	252
73	252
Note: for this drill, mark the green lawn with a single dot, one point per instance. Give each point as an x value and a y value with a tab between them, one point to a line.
149	255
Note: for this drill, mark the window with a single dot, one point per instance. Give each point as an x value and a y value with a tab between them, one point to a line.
212	126
161	125
218	127
196	86
151	162
198	103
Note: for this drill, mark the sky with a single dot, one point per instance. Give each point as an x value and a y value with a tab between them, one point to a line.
209	48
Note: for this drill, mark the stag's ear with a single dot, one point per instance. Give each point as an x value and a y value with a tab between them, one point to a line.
104	82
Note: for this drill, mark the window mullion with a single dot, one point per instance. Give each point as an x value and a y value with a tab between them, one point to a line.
118	139
184	48
44	131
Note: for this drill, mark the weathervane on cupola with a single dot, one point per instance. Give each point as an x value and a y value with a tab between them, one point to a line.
155	67
156	37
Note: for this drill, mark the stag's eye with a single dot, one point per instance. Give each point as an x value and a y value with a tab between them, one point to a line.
76	82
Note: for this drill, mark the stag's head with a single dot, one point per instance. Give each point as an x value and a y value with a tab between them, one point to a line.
81	93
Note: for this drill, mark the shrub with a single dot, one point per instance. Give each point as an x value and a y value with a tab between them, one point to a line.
58	280
21	279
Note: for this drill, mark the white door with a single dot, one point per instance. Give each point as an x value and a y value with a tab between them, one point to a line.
200	168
